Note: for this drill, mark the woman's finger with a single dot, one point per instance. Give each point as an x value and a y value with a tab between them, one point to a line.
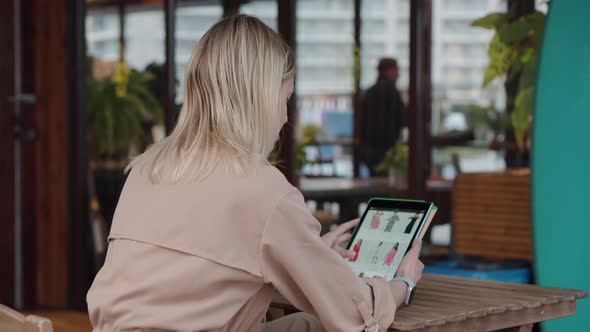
414	253
343	238
328	238
344	253
345	227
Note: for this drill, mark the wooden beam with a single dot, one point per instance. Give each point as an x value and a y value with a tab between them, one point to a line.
27	164
356	97
287	28
97	4
43	162
231	7
7	198
80	271
121	7
50	86
170	65
420	96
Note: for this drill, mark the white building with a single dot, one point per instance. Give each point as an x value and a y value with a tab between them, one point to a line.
325	42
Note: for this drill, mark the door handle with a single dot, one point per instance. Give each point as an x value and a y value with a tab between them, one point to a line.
23	98
26	135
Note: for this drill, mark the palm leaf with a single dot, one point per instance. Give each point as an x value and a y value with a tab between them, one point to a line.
515	31
117	121
490	21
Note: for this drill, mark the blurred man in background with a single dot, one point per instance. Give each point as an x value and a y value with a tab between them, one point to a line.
383	115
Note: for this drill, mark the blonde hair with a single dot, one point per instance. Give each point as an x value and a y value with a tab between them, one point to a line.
231	103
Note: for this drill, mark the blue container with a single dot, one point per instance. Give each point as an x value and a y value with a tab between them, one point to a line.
486	271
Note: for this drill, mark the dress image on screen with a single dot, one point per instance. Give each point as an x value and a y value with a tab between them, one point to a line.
356	248
391	255
375	256
376	220
412	222
382	239
391	221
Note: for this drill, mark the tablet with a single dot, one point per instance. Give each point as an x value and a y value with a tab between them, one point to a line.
385	233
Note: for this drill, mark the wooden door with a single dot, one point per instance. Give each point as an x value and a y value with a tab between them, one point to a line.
6	154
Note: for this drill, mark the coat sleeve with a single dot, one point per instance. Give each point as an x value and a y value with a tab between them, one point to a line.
314	278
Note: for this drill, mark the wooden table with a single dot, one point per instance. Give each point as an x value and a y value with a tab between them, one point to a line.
348	193
339	188
444	303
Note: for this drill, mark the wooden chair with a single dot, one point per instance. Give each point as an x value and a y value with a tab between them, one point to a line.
491	215
13	321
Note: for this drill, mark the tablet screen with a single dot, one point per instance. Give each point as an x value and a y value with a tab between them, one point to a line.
382	240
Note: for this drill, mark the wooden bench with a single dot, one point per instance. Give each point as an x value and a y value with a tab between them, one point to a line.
445	303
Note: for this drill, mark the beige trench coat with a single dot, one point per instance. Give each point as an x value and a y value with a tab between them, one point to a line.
206	256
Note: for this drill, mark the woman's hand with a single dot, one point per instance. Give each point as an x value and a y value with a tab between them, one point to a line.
411	266
335	238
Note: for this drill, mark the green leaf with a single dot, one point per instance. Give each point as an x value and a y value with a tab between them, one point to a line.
152	106
514	31
117	122
310	134
523	106
490	73
109	133
490	21
501	57
528	74
527	55
134	103
536	21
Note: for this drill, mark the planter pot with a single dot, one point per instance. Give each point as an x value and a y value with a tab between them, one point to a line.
109	179
398	179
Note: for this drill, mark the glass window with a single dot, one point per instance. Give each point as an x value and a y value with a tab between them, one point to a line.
123	102
325	82
102	33
144	29
265	10
459	103
384	33
192	21
140	19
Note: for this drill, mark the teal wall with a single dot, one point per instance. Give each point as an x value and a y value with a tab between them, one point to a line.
561	157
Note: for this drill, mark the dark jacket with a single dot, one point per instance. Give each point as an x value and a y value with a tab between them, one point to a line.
383	116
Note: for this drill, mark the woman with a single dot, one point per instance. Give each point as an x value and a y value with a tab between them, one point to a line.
205	228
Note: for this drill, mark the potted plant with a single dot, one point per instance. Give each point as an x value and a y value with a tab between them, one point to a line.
119	105
310	135
513	54
121	109
487	122
395	165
